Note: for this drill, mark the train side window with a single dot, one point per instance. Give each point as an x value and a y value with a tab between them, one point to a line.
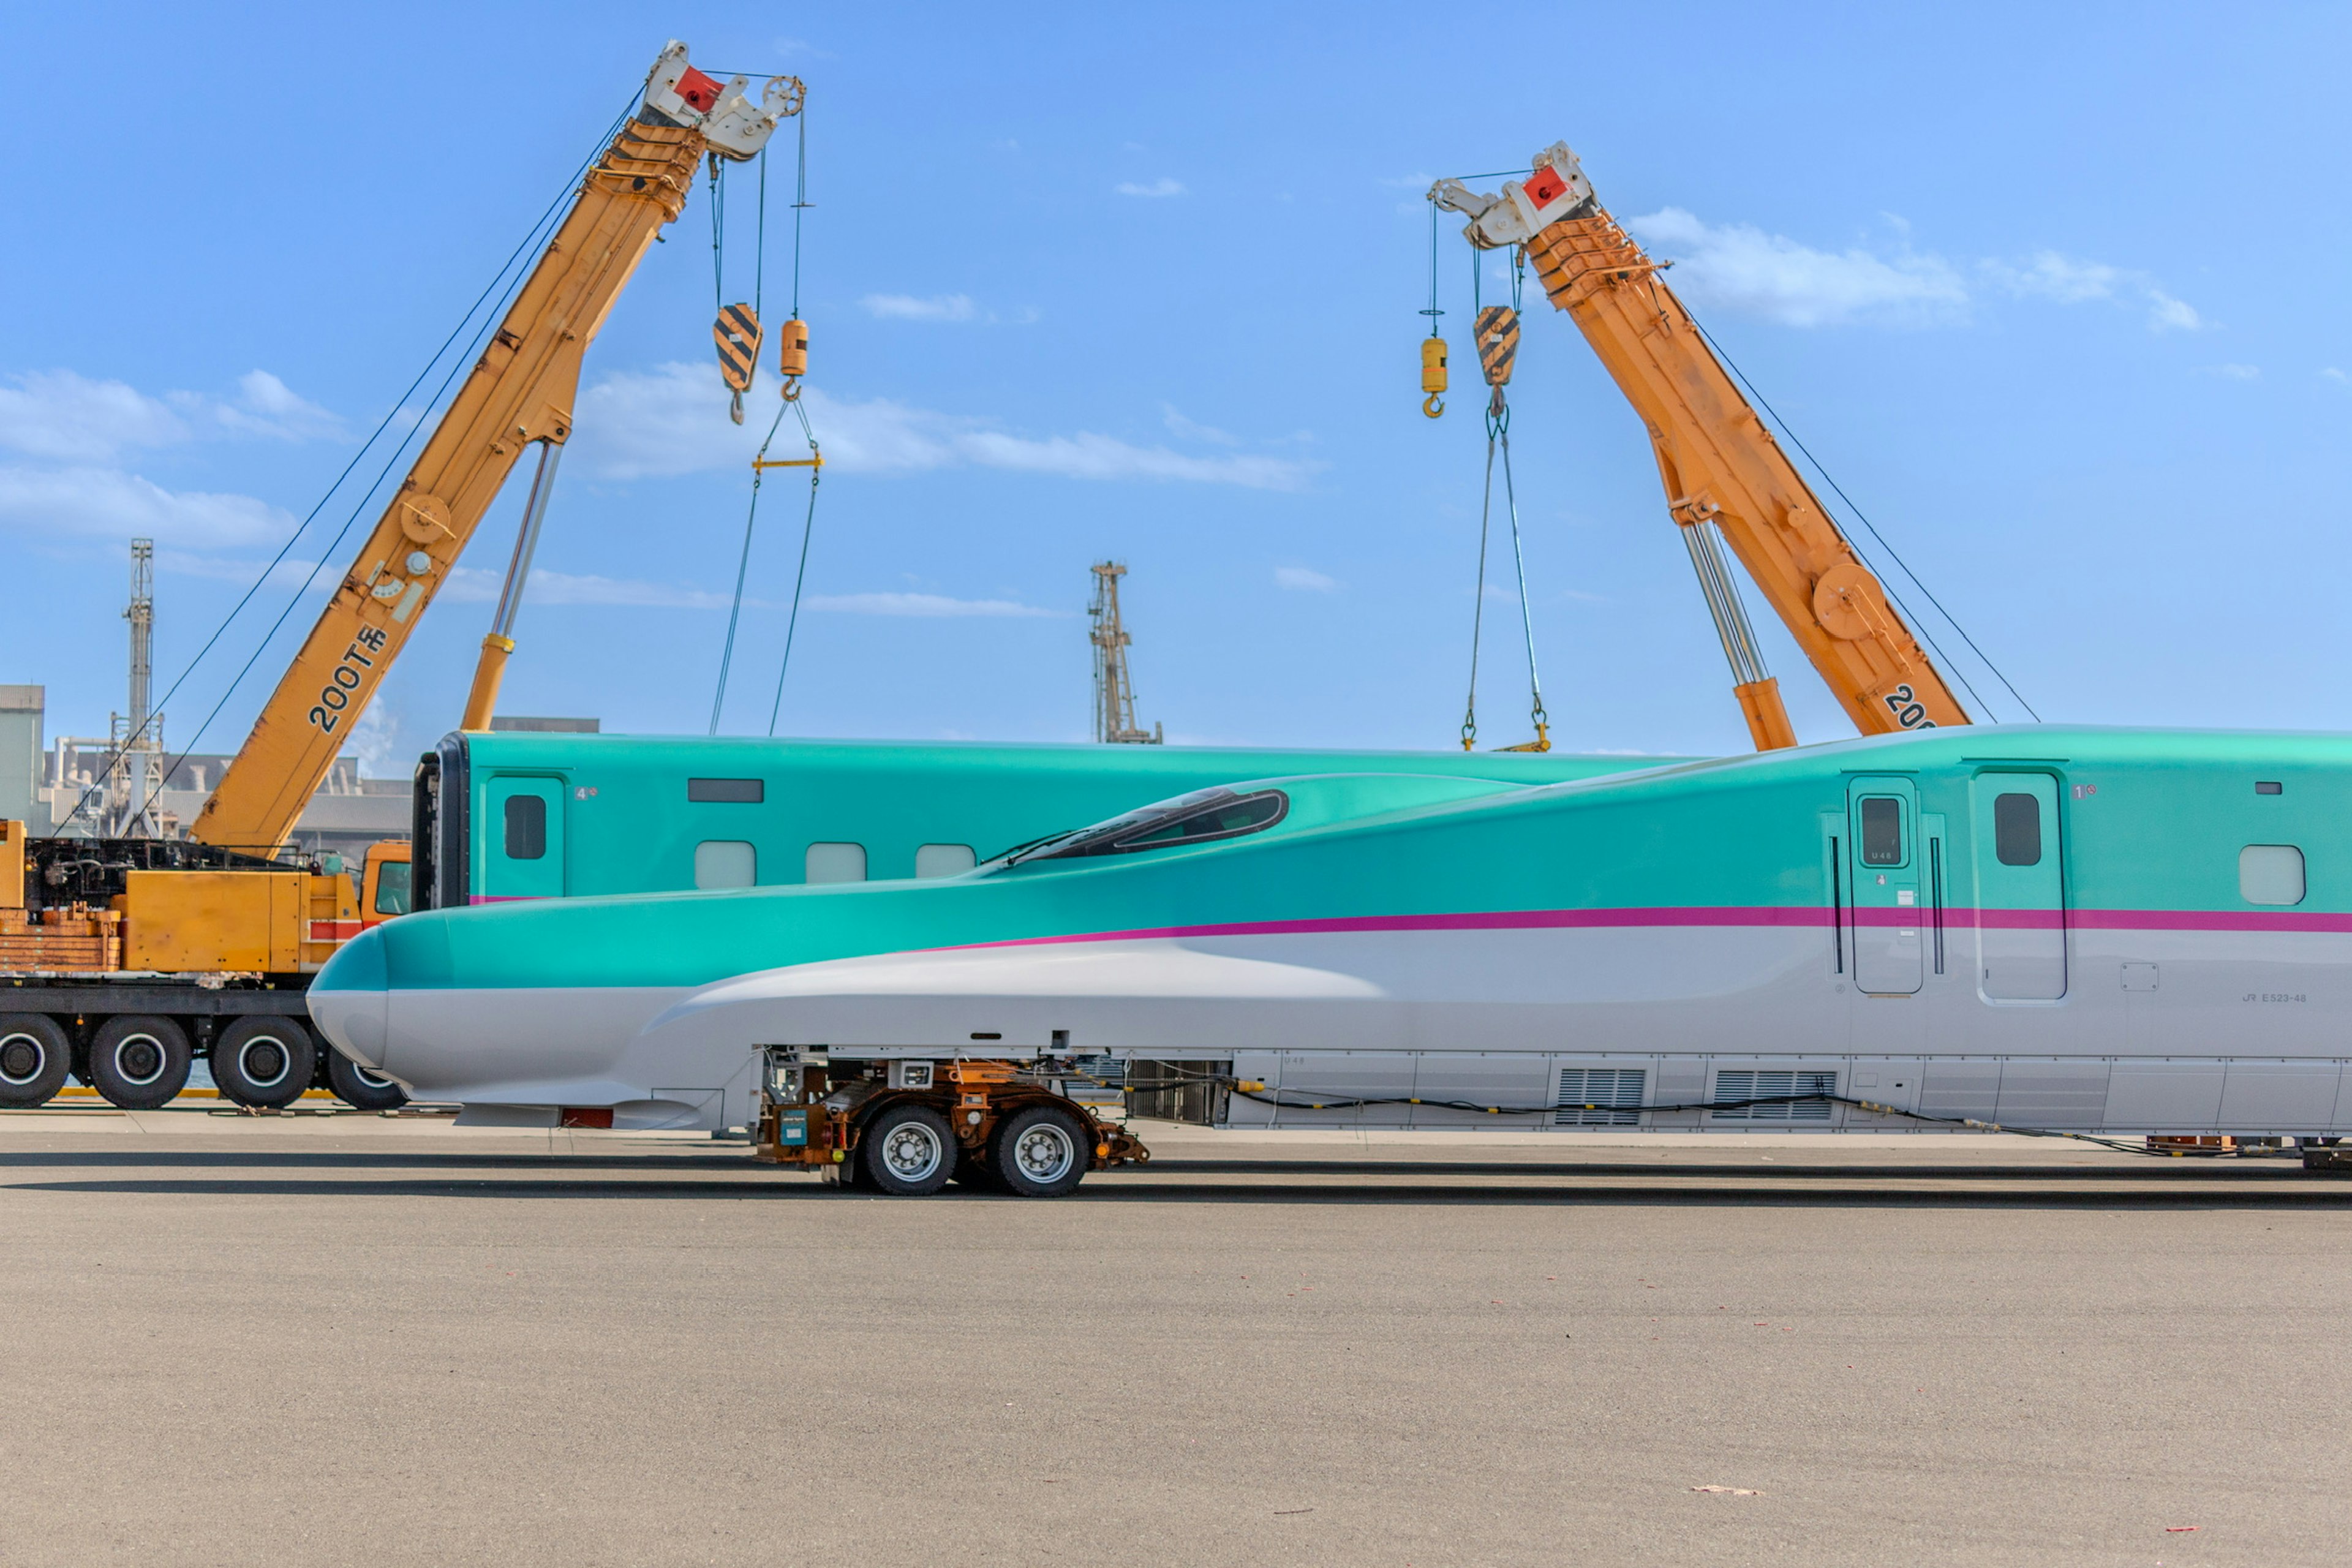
526	828
2270	874
944	859
836	862
725	863
729	792
2017	829
1882	830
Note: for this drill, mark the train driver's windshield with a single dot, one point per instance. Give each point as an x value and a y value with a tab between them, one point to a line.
1194	819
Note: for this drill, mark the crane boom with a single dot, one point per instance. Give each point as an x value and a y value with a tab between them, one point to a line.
1721	468
519	392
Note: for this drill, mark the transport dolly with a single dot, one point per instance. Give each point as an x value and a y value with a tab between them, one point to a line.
909	1128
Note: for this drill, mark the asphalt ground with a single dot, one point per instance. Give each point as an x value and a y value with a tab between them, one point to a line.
348	1339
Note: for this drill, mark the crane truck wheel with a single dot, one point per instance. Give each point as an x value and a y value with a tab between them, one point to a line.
265	1062
1040	1153
34	1058
360	1088
140	1061
906	1151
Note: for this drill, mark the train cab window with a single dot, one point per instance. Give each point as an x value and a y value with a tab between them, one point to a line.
2017	829
2270	874
726	792
836	862
725	863
392	888
944	859
526	828
1882	830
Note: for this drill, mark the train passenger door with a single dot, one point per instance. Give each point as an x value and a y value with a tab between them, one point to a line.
2020	887
523	834
1882	867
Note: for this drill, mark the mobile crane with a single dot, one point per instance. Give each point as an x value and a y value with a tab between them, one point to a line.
122	959
1726	479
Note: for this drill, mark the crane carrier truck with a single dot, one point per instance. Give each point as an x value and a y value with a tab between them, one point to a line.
124	960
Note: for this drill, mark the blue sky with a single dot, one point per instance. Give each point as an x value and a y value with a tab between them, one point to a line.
2056	293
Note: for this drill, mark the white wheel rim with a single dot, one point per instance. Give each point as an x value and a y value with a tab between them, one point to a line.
1044	1154
374	1080
122	1050
912	1152
12	1044
245	1061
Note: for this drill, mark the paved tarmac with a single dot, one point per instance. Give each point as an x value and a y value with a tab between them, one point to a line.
346	1339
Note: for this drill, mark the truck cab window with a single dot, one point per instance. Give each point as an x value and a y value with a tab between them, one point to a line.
392	888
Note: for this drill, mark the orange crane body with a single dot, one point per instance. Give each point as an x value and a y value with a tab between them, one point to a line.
519	392
1719	465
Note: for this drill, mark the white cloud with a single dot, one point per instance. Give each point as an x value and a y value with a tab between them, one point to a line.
105	503
922	605
1742	268
2332	373
1160	188
909	308
2166	313
2051	275
2047	275
480	586
2236	372
1303	580
68	417
1191	430
672	419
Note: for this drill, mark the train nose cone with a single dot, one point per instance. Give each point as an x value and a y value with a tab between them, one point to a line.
351	997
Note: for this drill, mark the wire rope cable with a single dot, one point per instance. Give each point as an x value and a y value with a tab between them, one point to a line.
742	567
800	577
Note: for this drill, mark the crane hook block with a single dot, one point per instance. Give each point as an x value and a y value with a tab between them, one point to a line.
792	356
1498	342
736	332
1433	375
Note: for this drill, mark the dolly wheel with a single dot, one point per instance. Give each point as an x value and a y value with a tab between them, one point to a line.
265	1062
1040	1153
35	1057
356	1087
906	1151
140	1062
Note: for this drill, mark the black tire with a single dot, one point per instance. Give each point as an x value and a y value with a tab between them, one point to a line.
1040	1153
35	1058
140	1061
906	1151
357	1087
265	1062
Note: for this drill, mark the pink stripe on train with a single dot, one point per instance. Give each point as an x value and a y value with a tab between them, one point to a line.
1954	920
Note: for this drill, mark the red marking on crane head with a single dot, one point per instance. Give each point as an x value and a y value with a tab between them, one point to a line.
1544	186
700	91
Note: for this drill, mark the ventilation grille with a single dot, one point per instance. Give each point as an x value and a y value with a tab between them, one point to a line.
1737	1084
1600	1097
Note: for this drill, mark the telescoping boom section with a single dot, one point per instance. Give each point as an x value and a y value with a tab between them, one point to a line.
520	392
1723	471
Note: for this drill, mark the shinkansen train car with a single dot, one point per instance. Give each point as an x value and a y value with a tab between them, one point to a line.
503	815
2118	930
